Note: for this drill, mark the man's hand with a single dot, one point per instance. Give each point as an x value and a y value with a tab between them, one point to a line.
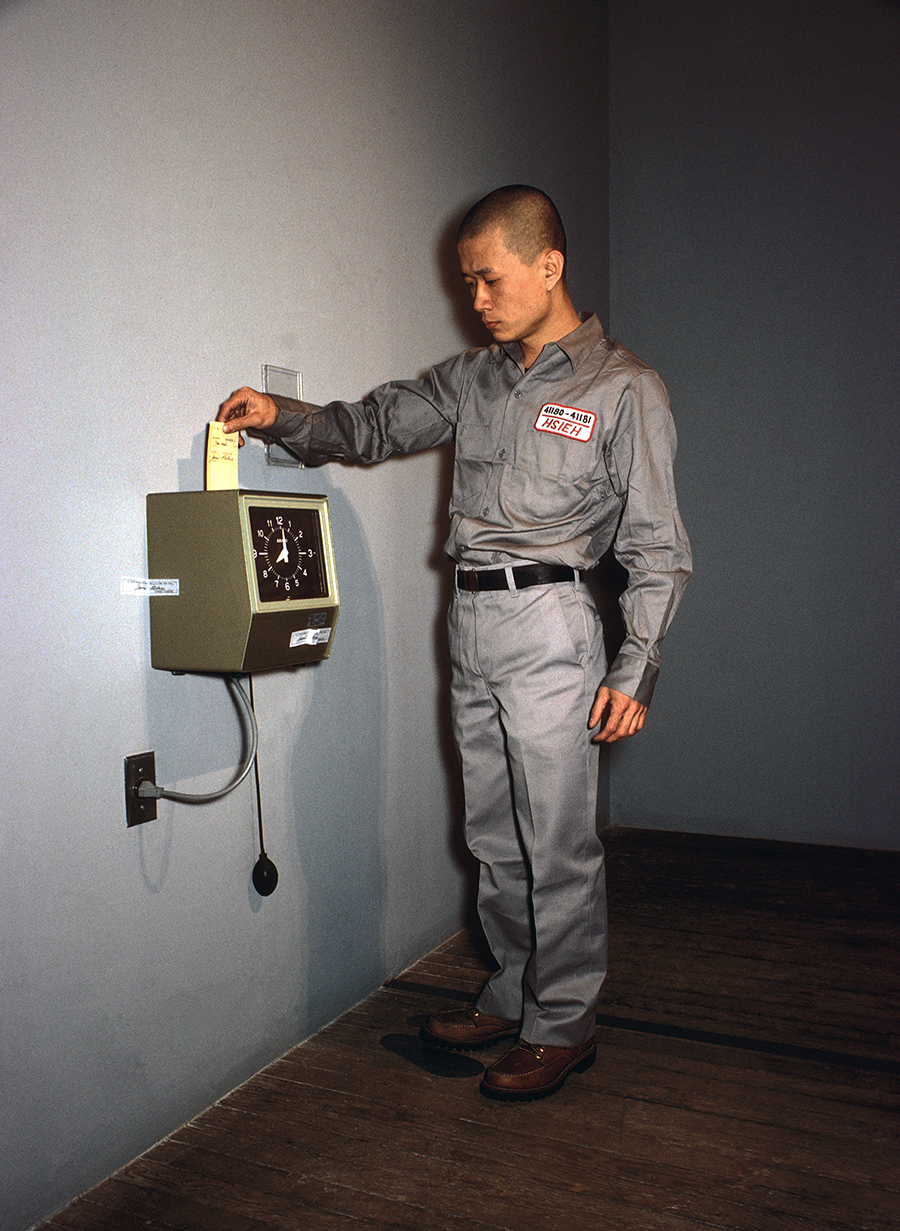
247	409
623	716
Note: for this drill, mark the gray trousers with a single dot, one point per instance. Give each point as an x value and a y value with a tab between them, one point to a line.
526	667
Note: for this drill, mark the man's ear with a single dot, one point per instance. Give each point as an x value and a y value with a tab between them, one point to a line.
553	265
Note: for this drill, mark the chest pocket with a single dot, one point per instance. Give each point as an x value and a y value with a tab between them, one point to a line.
477	437
563	443
555	479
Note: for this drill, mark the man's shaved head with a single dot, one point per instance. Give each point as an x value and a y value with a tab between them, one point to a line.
527	218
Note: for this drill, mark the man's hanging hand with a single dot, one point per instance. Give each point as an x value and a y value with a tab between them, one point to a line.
620	715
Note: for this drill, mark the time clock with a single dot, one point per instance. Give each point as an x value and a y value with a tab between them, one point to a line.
256	581
287	553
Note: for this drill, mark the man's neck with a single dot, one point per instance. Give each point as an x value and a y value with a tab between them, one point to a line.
559	326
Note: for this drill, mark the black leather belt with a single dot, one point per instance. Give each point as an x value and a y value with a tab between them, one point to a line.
524	575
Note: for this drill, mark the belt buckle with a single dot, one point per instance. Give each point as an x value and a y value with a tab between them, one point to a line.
470	580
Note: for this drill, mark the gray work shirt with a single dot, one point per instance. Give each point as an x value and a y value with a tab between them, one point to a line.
553	464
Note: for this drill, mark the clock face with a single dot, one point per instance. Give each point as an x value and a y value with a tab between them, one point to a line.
287	553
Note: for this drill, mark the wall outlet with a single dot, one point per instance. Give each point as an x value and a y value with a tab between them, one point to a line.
139	768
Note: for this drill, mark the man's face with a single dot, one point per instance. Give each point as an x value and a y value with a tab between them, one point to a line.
511	298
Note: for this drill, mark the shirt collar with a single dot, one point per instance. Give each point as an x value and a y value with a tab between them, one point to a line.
576	346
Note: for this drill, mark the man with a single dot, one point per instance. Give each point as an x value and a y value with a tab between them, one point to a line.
564	444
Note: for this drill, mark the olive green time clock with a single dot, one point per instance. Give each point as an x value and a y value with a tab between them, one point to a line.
257	587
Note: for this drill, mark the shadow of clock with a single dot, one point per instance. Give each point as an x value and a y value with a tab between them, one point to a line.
431	1059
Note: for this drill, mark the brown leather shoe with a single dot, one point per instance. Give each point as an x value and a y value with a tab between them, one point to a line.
530	1070
466	1029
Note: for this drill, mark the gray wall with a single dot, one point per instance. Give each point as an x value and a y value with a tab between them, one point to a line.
755	161
189	191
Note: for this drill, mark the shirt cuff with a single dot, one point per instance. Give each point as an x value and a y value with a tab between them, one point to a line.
635	677
291	415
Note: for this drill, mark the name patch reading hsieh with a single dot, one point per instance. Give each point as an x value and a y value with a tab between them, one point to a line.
566	421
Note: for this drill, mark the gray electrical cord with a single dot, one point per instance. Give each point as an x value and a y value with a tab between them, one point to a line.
149	790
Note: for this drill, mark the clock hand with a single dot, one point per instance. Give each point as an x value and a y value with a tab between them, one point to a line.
284	548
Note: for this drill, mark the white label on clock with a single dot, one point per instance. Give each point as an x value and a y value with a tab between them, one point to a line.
310	636
149	585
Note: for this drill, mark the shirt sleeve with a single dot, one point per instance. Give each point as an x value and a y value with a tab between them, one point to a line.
397	417
650	542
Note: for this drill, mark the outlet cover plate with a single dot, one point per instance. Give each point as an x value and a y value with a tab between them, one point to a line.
139	768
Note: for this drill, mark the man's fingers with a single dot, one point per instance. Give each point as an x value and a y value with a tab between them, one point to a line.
600	703
247	408
625	716
234	406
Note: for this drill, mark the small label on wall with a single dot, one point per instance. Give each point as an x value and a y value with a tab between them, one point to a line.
149	585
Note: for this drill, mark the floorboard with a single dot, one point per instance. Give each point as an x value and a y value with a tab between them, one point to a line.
748	1078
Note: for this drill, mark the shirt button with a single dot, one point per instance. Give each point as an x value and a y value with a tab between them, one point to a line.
518	393
501	453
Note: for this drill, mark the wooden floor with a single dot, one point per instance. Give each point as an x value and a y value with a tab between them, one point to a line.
748	1077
